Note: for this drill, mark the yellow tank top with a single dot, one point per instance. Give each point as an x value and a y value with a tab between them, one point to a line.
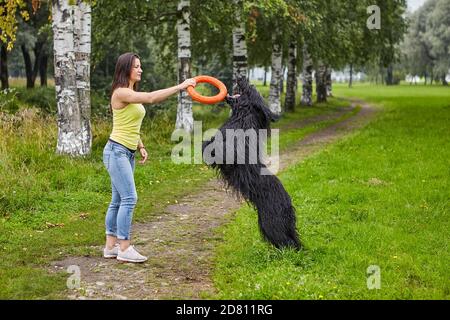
127	125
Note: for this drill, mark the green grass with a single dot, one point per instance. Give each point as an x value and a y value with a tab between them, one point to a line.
380	197
53	206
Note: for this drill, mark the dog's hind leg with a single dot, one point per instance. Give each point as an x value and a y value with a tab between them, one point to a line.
276	215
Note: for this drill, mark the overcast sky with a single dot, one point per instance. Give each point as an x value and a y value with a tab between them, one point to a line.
415	4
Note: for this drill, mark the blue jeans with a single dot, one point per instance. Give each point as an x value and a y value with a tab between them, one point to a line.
119	161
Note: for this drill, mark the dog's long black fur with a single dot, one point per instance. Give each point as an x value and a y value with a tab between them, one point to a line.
276	215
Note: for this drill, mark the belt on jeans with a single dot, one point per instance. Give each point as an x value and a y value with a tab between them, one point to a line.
132	151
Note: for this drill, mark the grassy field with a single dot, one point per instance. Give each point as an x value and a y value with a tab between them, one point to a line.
52	206
379	198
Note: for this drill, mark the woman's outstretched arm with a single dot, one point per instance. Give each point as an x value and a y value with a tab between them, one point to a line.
127	95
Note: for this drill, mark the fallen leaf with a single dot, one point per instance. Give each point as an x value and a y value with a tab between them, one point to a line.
53	225
84	215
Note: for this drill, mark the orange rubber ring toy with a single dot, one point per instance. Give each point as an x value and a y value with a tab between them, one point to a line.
204	99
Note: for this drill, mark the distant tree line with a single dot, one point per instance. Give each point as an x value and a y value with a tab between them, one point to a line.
426	49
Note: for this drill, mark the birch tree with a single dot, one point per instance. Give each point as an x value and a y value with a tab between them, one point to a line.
306	99
393	26
185	118
82	43
291	85
239	44
71	32
350	80
328	82
274	91
321	87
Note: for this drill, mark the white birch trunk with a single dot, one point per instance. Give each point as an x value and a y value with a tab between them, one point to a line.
82	39
306	99
70	133
351	76
274	91
329	83
321	86
239	45
185	118
291	85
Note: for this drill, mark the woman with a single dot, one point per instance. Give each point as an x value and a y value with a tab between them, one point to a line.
119	152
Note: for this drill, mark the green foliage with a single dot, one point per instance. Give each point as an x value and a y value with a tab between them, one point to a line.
42	98
335	31
427	43
8	24
9	101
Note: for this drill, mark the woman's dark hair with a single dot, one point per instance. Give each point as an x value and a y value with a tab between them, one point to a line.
122	72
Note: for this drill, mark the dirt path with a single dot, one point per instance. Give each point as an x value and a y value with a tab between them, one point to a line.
181	240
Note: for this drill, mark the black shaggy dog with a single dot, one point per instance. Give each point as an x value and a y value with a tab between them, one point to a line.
276	215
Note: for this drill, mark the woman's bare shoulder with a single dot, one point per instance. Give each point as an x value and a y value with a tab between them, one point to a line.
119	98
124	96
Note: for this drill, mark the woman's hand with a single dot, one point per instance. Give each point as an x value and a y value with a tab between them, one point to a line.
144	155
186	83
231	99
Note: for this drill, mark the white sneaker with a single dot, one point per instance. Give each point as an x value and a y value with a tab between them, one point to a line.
130	255
107	253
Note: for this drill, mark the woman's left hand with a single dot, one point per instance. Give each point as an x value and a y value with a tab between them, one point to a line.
144	155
